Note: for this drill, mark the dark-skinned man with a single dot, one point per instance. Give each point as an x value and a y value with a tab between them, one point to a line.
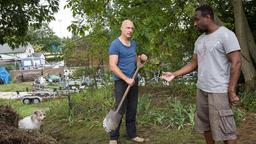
217	59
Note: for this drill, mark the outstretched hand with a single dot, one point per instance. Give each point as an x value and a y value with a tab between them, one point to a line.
168	76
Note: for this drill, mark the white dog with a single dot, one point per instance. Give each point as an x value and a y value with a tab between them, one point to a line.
33	121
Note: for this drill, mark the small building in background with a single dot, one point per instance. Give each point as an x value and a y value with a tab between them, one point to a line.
20	52
25	65
32	63
23	56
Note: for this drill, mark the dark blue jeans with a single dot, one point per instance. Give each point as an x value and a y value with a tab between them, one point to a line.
129	107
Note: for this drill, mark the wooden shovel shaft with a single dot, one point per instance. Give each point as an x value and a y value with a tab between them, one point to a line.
127	90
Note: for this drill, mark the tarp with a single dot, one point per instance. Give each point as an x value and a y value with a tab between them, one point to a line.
5	77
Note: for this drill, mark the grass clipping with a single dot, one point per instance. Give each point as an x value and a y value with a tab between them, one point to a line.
10	134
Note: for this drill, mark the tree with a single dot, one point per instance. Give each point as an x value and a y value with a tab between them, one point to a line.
17	16
247	42
89	50
43	37
225	12
162	29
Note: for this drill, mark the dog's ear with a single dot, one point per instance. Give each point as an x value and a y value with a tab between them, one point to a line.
37	112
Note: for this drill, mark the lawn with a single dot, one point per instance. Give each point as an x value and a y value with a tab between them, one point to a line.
161	118
24	86
25	110
165	115
13	87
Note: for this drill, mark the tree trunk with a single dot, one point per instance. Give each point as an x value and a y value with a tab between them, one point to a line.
241	32
251	42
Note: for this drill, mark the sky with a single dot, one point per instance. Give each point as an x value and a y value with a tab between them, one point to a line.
62	20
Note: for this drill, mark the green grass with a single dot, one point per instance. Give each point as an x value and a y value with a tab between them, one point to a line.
165	115
248	101
79	133
16	87
25	110
13	87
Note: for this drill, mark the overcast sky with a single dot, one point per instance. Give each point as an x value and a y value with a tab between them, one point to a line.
62	20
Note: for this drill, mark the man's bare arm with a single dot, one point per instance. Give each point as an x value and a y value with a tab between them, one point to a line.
235	60
113	60
187	68
168	76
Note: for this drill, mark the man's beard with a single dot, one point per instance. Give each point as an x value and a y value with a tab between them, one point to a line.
202	30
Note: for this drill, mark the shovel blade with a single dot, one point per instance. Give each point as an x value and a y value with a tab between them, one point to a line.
111	121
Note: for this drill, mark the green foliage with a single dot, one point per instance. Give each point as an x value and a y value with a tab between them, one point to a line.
16	87
54	59
250	12
182	113
17	16
90	50
239	114
175	113
165	114
249	101
85	71
10	67
89	107
25	110
44	38
163	29
226	14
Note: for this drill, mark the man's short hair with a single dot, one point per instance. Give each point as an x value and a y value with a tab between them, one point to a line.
206	10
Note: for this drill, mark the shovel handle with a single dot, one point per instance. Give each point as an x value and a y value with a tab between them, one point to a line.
139	65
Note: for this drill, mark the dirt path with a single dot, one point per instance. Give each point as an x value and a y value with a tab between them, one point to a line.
247	130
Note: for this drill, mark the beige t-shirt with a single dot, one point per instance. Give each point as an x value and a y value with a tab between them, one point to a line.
213	64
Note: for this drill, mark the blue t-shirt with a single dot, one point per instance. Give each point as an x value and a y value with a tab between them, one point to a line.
126	57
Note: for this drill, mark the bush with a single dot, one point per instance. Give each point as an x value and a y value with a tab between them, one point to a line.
54	59
248	100
83	71
174	113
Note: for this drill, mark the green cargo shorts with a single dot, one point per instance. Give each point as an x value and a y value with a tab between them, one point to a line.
213	113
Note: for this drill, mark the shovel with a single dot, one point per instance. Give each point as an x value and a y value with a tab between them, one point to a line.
113	118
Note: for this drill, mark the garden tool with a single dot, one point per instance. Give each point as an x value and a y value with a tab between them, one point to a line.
113	118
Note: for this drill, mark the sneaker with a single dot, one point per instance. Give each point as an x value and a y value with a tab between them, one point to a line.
113	142
138	139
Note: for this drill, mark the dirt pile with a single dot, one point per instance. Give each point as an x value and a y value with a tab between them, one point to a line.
9	116
247	130
10	134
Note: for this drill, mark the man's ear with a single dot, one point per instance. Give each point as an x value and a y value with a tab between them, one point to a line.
209	17
122	27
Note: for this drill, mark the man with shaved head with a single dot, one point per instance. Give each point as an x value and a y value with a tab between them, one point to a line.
122	62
